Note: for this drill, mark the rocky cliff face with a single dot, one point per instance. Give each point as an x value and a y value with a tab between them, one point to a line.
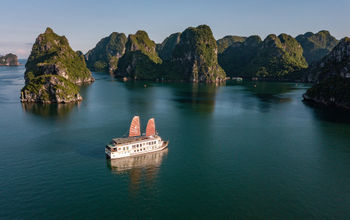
50	89
52	71
236	59
104	57
140	60
195	57
275	58
316	46
166	48
9	60
227	41
332	77
336	63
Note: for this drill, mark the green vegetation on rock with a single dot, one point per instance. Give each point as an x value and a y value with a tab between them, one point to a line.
316	46
227	41
105	56
51	70
195	57
140	60
332	77
189	56
166	48
50	89
275	58
141	42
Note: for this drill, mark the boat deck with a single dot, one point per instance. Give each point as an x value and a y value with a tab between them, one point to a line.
132	139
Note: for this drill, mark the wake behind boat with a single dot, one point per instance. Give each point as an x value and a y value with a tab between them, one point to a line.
136	143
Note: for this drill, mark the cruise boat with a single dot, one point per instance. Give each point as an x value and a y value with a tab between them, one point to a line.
136	143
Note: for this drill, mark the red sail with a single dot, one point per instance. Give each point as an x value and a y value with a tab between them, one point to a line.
151	128
135	127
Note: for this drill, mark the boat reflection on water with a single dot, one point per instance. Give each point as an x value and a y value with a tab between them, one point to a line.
144	161
140	168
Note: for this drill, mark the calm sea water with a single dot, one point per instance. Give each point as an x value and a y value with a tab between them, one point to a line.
244	150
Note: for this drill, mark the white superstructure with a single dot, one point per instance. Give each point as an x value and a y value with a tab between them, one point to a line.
136	143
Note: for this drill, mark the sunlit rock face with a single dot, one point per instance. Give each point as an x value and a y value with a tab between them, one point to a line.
53	71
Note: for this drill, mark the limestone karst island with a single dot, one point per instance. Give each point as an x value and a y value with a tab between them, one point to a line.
54	71
175	109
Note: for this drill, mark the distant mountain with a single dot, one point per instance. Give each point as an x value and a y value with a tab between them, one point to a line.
332	78
189	56
316	46
227	41
275	58
166	48
9	60
53	70
104	57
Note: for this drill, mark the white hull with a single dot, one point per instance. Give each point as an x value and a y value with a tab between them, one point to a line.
129	153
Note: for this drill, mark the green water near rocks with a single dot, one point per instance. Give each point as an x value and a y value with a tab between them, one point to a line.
244	150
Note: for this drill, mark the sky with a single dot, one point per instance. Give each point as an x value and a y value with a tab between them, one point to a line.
84	23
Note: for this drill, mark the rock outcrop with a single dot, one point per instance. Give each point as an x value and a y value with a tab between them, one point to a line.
227	41
104	57
275	58
195	57
53	70
9	60
140	60
316	46
332	78
166	48
50	89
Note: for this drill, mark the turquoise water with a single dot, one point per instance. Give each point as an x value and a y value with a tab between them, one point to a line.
244	150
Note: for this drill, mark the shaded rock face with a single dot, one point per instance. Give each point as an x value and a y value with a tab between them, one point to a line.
195	57
9	60
316	46
332	77
140	60
166	48
53	64
336	63
107	52
227	41
236	59
275	58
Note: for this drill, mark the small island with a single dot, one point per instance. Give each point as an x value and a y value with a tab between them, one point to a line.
9	60
54	71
